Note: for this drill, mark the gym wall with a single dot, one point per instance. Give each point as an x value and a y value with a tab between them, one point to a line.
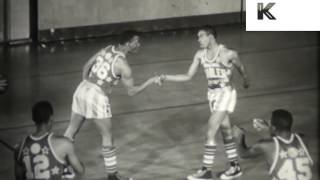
74	13
84	18
18	19
72	19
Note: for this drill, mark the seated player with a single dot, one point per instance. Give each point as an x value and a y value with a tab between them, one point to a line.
43	155
284	151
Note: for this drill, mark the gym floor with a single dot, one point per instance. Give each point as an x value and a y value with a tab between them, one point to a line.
160	132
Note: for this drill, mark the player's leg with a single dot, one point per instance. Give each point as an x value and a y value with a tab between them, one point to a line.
108	149
78	115
229	103
231	150
217	101
75	124
102	119
210	147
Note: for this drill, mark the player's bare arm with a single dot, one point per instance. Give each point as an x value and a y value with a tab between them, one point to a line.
128	81
185	77
253	151
235	60
19	170
72	158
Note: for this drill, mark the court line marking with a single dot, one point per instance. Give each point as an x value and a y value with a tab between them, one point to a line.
167	60
259	94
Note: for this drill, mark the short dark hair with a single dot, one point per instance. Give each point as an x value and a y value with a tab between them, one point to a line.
282	120
209	30
41	112
126	36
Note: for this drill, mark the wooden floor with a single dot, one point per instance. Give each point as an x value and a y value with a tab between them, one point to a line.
160	133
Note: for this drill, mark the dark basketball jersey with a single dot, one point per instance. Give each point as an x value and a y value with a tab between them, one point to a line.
218	70
292	160
102	71
39	159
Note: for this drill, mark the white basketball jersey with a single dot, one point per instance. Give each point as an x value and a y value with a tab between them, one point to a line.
218	70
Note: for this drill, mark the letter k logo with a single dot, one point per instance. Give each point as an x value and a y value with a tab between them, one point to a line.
265	11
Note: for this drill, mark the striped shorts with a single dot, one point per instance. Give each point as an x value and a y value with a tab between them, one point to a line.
90	101
222	99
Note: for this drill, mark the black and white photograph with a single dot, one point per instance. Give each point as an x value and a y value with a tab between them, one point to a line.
159	89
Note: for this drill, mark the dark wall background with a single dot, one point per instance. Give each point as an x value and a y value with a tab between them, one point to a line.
1	20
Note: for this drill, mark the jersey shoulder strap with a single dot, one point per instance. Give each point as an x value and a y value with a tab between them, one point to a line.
117	55
304	147
276	155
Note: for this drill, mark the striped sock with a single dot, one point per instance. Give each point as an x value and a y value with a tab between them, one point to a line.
110	159
231	150
208	157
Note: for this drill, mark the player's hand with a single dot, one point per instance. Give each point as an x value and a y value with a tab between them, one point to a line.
68	172
246	83
260	125
157	80
163	77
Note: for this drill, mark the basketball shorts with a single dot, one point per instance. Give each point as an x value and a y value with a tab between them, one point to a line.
222	99
90	101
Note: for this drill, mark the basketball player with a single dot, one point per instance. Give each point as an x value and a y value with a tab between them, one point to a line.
218	63
91	101
43	155
285	151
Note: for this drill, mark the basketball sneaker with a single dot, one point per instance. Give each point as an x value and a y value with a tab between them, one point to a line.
68	172
231	173
117	176
201	174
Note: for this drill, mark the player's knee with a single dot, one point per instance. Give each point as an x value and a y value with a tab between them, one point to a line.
68	134
211	133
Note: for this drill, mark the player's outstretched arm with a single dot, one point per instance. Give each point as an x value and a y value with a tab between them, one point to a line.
240	67
128	81
73	159
184	77
246	151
